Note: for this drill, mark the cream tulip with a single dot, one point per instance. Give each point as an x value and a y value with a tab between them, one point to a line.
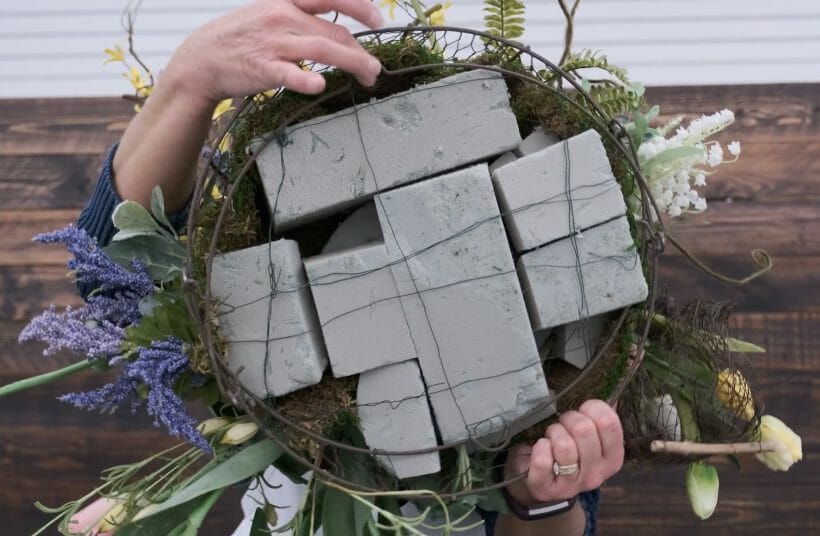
788	446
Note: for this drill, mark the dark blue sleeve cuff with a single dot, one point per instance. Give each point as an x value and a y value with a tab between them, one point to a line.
95	218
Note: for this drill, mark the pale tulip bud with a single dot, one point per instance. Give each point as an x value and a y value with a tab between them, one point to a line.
702	486
239	433
209	426
788	446
113	518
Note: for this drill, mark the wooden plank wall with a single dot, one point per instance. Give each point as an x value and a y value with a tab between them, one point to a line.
50	151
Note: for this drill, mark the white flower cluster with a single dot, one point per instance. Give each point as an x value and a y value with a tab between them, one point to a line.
672	166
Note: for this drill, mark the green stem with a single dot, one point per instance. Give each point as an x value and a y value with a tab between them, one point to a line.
42	379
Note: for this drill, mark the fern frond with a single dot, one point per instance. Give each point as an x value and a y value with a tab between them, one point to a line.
591	59
616	100
504	18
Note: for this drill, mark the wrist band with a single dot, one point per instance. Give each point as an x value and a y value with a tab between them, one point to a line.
537	511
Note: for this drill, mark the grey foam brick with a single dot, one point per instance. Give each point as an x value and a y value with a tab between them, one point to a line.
329	163
395	416
536	191
359	308
606	275
266	314
537	140
463	302
577	341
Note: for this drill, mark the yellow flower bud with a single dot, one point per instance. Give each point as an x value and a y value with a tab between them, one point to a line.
209	426
733	391
702	486
113	518
789	447
239	433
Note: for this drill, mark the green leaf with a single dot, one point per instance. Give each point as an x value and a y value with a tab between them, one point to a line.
688	423
744	347
338	514
672	154
163	256
246	463
131	216
158	209
259	526
182	520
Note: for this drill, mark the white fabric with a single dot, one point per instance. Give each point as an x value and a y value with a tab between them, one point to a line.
288	496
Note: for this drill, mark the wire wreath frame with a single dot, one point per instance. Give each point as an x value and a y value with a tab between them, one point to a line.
459	46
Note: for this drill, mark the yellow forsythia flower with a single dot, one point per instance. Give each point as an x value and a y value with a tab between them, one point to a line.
239	433
391	7
222	108
114	54
789	447
733	391
437	16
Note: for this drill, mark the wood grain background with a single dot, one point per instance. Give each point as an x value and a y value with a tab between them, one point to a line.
50	152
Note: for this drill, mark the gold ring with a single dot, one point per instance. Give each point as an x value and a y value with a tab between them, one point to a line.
564	470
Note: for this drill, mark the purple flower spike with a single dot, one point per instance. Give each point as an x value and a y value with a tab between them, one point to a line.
96	269
74	330
158	367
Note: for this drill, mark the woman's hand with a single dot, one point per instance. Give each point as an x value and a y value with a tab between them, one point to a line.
591	437
251	49
259	46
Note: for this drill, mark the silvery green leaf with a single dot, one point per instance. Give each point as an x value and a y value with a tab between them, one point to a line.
131	216
702	486
147	305
672	154
162	256
158	209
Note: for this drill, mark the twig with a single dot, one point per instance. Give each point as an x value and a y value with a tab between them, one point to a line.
689	448
569	14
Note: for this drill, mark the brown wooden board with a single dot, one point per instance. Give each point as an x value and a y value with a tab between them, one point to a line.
50	152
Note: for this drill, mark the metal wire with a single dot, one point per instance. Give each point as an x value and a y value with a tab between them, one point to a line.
460	46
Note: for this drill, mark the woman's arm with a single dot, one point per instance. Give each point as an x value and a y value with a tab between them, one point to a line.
254	48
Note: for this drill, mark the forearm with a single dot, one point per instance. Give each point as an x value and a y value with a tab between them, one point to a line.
162	144
570	523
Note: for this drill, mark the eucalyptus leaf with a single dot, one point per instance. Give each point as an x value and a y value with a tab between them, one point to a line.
131	216
246	463
158	209
162	256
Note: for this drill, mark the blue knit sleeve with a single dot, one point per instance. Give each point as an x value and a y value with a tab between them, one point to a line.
95	218
589	503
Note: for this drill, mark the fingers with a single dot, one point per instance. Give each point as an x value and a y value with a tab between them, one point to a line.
291	76
540	478
363	11
324	50
609	429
